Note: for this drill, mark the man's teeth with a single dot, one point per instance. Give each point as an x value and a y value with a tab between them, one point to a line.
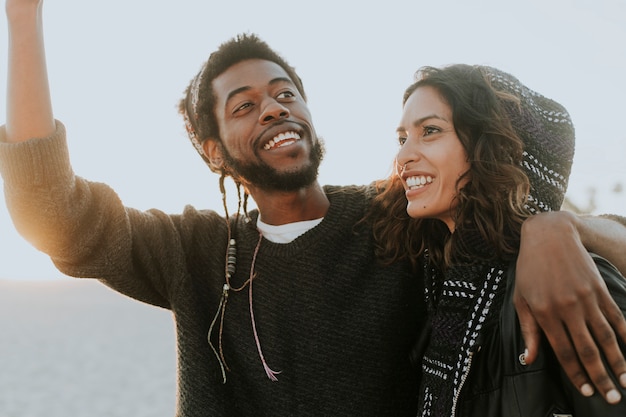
418	181
282	139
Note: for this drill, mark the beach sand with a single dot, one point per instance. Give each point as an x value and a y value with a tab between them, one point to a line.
76	348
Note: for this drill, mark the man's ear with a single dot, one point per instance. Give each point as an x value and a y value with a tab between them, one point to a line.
213	151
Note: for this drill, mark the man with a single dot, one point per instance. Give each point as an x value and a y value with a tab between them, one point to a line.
281	311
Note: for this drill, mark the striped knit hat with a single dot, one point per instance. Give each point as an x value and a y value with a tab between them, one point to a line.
548	135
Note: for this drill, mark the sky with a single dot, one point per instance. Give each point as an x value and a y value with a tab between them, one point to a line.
118	68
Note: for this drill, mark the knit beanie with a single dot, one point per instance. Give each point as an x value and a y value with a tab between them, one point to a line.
547	131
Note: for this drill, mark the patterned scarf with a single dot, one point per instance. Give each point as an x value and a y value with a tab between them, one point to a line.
460	303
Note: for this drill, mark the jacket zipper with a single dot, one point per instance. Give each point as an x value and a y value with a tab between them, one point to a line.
455	400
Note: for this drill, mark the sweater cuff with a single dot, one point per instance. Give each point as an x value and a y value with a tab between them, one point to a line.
35	162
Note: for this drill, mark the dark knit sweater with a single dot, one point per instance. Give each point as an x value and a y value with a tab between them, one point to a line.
336	324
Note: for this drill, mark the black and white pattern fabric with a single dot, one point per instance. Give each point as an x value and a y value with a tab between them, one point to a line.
548	134
459	305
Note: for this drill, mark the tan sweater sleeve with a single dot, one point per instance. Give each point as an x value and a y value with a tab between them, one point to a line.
37	176
83	226
36	162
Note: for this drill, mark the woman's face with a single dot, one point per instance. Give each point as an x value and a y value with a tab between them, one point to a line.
432	157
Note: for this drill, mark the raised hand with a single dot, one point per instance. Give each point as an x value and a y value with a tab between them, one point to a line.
29	108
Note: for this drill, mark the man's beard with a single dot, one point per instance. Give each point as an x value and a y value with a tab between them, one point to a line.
267	178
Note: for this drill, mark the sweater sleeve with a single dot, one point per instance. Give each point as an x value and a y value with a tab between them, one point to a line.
616	218
84	227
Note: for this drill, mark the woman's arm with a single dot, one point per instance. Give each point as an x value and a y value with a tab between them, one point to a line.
560	291
29	108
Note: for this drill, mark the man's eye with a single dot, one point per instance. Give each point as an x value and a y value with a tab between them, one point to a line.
286	94
242	107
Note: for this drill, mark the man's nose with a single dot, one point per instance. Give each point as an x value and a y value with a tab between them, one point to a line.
272	111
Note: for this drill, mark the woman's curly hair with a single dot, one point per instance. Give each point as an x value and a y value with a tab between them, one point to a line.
493	200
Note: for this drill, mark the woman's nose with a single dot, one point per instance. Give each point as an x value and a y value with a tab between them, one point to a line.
406	155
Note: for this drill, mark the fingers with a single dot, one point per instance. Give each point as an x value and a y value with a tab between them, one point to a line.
543	317
588	352
616	318
597	345
606	329
567	353
530	331
577	348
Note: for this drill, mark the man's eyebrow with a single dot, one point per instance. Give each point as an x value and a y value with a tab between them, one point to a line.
237	91
246	88
281	80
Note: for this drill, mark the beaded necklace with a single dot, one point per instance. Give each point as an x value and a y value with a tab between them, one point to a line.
230	268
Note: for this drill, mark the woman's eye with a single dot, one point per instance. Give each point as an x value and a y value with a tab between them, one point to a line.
401	140
429	130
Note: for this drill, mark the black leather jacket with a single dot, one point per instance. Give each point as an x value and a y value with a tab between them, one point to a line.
498	385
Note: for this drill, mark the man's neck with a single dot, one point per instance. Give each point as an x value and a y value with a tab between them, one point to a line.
279	207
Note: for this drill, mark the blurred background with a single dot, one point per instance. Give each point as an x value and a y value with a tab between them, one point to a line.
117	70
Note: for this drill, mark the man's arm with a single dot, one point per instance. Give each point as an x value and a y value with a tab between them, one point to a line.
604	236
29	108
559	291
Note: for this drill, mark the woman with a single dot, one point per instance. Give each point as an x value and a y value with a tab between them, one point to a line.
479	154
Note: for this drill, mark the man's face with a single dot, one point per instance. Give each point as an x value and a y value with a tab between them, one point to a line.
265	126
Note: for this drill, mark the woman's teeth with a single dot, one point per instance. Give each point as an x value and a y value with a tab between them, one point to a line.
418	181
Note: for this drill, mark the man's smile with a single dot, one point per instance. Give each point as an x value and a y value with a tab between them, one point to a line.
282	139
